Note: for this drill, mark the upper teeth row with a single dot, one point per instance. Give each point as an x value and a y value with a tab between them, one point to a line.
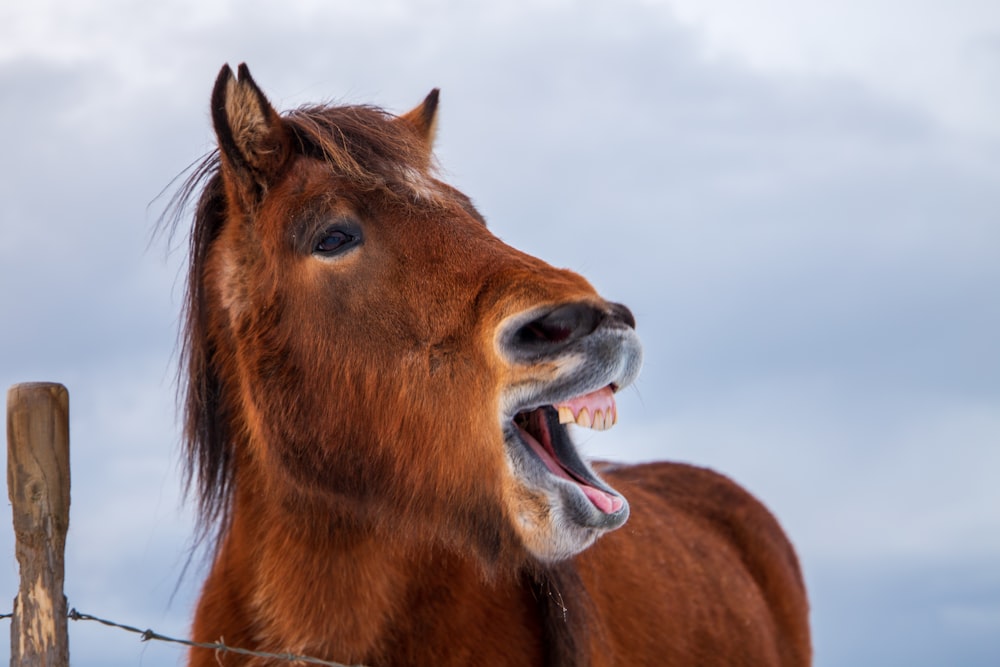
600	421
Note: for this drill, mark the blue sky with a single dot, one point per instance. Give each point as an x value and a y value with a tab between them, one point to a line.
798	201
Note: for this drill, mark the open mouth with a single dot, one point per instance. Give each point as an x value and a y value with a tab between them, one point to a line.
544	432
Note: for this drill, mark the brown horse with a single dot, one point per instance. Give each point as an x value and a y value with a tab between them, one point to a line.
377	402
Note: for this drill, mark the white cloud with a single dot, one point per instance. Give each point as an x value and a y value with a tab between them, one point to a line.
912	479
943	57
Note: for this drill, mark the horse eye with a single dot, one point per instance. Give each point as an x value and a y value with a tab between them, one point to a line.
333	240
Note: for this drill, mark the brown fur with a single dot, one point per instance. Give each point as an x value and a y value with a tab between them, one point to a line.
342	432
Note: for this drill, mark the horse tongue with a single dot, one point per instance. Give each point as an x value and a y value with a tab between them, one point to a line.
605	502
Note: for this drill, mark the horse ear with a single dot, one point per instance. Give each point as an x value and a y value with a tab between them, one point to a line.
422	119
253	140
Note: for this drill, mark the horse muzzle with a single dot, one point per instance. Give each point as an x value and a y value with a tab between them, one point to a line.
567	363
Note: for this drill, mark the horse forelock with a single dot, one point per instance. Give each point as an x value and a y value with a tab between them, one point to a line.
363	144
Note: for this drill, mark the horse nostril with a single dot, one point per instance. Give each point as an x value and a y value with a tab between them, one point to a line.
563	324
623	313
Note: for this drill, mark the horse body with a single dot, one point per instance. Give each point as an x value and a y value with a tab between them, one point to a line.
702	574
377	393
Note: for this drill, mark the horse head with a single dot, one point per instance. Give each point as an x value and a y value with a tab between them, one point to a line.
365	354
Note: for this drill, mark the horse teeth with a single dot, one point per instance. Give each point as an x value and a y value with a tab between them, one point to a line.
593	418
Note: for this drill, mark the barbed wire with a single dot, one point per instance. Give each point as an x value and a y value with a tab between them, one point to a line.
152	635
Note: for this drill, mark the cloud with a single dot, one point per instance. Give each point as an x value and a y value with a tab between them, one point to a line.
949	80
901	614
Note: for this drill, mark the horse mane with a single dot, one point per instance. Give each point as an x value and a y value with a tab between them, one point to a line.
363	144
565	609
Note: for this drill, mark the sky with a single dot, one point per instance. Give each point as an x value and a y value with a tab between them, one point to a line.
798	200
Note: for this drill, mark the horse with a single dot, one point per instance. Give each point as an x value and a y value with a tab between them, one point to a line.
378	397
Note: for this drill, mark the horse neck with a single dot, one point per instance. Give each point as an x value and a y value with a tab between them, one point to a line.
305	565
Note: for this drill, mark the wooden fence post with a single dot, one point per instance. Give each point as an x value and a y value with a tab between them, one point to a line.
38	487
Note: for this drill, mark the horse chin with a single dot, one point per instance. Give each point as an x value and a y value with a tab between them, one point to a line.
562	506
